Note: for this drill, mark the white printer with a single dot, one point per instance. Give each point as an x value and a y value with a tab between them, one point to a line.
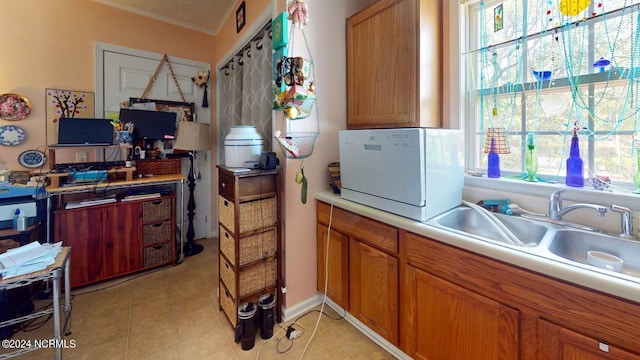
413	172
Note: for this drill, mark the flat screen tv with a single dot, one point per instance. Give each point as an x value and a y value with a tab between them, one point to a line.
150	125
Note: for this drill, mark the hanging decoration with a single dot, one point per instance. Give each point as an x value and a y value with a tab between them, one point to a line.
498	22
294	94
297	10
164	60
573	7
201	79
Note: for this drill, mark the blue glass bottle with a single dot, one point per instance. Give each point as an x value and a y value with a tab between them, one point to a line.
575	166
493	159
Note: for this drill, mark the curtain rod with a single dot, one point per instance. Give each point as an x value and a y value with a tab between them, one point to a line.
259	35
557	29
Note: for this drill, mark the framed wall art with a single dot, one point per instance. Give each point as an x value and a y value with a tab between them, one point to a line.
66	103
240	17
185	111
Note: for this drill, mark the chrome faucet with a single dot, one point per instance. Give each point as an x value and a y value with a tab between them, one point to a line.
627	220
556	211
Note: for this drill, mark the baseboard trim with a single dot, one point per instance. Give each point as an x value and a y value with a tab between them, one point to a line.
300	308
289	314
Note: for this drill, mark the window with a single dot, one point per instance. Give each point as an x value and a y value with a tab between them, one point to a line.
591	52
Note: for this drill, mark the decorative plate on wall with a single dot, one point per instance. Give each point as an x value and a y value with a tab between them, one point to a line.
11	135
32	159
14	107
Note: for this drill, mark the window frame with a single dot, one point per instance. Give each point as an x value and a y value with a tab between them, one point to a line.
469	20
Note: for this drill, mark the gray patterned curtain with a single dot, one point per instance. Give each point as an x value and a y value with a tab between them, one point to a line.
245	91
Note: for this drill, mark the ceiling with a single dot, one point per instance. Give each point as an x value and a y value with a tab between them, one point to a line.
202	15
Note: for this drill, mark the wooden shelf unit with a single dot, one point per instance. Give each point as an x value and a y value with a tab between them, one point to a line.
55	179
250	230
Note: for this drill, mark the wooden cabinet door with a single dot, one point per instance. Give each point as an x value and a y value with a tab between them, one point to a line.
373	283
82	230
338	275
446	321
556	342
382	75
122	247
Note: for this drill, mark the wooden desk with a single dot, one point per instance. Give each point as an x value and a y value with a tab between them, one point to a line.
105	250
53	272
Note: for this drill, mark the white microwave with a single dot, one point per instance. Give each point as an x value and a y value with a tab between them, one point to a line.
413	172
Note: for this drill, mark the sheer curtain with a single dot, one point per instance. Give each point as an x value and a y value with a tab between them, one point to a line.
245	90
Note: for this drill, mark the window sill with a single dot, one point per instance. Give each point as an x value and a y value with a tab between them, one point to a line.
586	194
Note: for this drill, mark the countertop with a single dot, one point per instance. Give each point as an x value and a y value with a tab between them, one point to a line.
595	280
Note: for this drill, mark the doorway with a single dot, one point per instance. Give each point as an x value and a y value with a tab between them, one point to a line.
122	73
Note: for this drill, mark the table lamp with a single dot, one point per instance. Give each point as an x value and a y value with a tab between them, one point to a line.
192	136
495	143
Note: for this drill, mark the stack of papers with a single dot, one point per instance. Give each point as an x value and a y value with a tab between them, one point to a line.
141	196
89	202
28	258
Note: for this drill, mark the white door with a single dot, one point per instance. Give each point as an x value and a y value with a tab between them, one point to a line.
122	73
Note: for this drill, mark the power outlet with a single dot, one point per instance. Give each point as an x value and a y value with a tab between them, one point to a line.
81	157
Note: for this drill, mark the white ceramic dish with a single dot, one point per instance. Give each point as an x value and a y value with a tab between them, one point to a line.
11	135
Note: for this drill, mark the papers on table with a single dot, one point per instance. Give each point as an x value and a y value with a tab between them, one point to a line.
28	258
89	202
141	196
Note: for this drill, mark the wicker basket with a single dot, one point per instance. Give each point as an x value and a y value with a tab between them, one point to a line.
253	214
252	279
298	145
157	255
252	248
334	171
155	233
156	210
158	167
228	305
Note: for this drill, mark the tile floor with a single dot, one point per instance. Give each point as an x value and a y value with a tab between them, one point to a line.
173	314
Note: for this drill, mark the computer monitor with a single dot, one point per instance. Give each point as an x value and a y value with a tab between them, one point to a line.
84	132
150	125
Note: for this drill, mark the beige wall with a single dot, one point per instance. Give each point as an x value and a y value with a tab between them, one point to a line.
51	44
326	35
53	47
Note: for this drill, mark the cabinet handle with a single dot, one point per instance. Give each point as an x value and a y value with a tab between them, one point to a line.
226	265
226	203
157	225
226	234
158	247
224	185
157	202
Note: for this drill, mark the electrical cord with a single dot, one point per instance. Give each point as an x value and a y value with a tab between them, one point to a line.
291	332
326	279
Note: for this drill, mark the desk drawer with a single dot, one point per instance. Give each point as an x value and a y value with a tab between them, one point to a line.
226	186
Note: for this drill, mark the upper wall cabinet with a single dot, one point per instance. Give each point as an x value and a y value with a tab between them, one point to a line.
394	65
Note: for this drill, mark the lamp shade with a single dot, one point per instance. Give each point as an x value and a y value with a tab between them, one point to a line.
499	139
192	136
